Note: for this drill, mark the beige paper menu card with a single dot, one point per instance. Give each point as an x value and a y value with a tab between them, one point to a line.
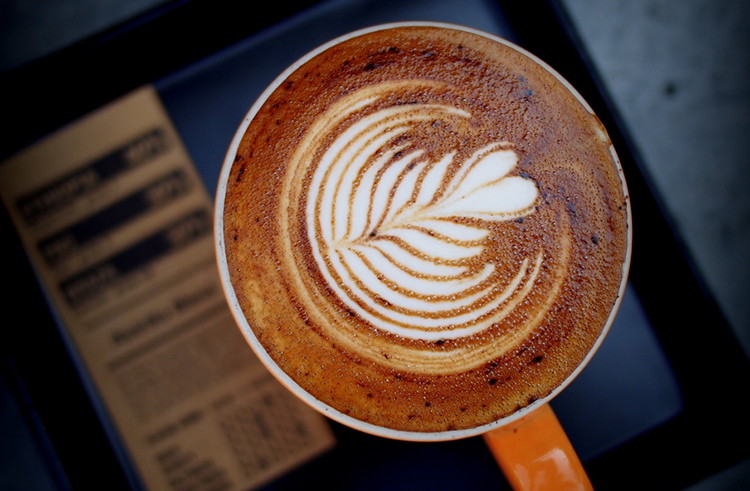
118	227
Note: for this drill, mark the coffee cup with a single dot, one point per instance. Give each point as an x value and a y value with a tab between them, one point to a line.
423	231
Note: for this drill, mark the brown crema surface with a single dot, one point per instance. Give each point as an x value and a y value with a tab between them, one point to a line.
566	252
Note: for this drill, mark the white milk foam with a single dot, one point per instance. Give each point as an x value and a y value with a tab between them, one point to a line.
389	231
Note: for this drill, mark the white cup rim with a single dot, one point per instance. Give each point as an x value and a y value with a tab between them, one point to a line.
271	365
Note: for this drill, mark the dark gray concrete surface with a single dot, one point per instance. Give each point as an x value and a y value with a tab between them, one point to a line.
679	72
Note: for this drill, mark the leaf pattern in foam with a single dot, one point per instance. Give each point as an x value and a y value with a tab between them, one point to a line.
480	189
413	212
396	235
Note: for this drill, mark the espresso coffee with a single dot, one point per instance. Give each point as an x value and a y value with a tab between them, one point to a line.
424	228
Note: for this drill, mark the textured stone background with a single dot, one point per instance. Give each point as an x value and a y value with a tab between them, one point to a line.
679	72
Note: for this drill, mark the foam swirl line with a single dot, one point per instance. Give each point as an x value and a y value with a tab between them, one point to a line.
437	288
441	322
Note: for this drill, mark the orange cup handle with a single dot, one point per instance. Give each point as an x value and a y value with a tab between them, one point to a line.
535	454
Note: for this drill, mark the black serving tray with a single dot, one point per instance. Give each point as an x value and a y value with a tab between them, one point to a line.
650	410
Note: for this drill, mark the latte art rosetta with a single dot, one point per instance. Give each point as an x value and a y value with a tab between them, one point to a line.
385	220
400	238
